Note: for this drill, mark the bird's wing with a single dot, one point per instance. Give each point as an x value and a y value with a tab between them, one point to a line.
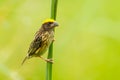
35	45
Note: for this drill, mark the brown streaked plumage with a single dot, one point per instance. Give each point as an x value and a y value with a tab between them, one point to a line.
42	40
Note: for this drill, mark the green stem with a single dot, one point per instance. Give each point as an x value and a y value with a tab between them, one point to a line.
50	52
54	9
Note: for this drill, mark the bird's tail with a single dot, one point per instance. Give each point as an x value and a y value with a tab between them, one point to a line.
24	60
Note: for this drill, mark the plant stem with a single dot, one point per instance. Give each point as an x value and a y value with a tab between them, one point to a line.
54	9
50	52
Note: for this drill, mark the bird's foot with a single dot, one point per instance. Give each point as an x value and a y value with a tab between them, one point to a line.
47	60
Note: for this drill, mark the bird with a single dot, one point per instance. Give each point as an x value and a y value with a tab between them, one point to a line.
42	40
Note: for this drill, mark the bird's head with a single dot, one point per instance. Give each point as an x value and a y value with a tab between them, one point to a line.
49	24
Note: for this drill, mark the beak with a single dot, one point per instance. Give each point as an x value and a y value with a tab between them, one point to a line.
55	24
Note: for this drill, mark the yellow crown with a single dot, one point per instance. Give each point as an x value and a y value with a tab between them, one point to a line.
48	20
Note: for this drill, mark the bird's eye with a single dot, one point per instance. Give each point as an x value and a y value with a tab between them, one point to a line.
49	23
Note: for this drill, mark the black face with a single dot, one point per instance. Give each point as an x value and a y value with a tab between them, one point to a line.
49	25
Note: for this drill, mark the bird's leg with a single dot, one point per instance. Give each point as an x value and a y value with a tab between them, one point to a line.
53	40
47	60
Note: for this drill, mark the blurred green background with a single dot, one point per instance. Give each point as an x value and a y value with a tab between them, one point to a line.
87	45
